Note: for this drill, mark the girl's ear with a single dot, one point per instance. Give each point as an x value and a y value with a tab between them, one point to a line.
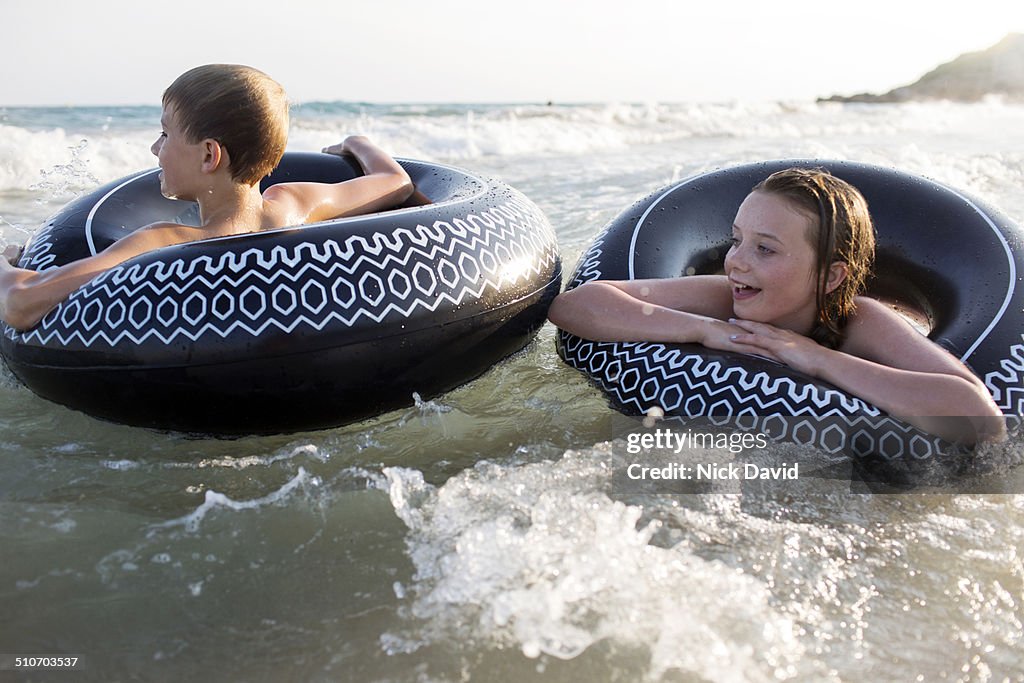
837	272
214	156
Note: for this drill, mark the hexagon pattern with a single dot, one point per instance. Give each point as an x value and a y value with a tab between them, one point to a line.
406	272
694	386
690	385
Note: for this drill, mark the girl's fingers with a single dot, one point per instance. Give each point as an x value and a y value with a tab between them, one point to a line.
751	326
751	339
751	342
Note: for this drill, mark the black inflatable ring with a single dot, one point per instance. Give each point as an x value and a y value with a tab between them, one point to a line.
290	329
947	256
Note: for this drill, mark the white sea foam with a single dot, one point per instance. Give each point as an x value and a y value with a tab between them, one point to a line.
713	586
429	407
304	451
536	557
464	132
55	164
120	465
215	500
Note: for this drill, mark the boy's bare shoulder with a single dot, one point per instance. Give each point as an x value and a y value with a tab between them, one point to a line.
289	194
173	232
287	204
157	235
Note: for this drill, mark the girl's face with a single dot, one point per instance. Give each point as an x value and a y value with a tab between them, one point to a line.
771	264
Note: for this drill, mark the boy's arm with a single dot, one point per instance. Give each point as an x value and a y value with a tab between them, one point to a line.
26	296
384	185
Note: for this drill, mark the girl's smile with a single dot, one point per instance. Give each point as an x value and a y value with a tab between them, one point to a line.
771	263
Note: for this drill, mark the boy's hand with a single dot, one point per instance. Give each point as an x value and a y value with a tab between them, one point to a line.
336	150
13	252
345	147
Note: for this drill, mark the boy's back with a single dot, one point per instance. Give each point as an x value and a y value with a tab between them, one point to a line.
224	129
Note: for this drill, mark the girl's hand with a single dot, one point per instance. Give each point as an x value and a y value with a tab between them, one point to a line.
724	336
795	350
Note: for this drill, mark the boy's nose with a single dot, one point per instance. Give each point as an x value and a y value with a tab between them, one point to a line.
155	148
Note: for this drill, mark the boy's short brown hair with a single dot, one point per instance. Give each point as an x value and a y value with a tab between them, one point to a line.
242	108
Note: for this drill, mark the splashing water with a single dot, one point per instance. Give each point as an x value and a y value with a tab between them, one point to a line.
64	180
538	558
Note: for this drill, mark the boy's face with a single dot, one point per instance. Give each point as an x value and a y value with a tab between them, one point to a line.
180	160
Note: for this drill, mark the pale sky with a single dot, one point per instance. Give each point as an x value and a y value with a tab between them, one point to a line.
127	51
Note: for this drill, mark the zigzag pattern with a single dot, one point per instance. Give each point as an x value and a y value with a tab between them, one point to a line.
39	255
392	274
642	375
589	267
1007	386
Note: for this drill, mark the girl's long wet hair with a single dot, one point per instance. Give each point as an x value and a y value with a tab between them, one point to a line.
843	233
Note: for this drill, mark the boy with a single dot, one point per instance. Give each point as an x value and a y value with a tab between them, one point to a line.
224	128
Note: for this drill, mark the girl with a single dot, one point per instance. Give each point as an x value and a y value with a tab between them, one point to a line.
802	250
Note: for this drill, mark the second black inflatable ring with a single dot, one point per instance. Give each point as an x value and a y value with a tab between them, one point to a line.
949	257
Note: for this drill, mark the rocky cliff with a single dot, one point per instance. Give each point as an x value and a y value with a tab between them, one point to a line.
997	70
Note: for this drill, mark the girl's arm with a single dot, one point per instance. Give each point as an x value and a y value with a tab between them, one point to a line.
677	310
889	364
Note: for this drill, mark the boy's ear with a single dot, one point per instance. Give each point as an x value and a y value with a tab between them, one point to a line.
214	155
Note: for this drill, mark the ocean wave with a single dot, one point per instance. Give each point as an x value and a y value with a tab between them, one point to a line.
44	159
55	164
214	500
535	557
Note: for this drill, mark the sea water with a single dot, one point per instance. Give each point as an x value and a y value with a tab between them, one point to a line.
480	535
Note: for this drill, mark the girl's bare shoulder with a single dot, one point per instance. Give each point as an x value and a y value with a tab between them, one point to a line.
873	324
877	332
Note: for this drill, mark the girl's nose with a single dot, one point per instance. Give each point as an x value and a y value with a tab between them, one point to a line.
735	258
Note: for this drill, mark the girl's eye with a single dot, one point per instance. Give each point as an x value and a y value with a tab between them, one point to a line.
765	250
